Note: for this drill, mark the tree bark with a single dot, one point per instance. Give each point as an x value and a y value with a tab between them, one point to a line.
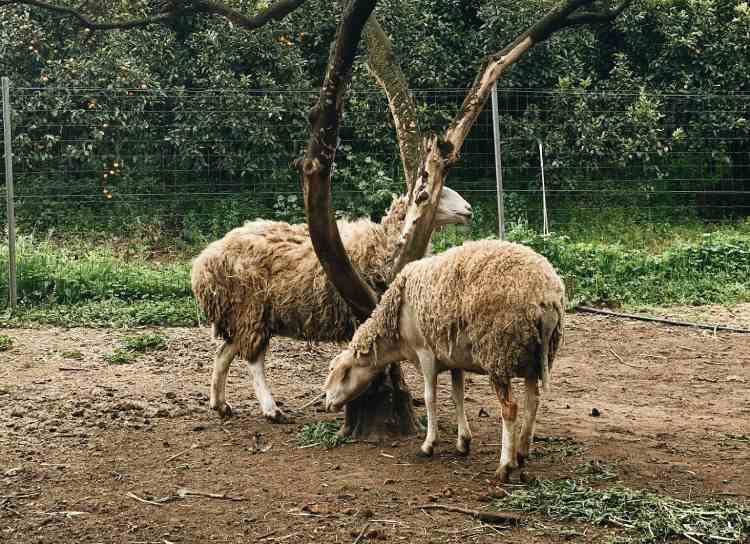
319	157
387	73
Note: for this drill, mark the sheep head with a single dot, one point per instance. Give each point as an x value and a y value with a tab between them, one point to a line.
347	380
452	208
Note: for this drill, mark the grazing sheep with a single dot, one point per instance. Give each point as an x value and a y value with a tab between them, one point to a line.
264	279
488	307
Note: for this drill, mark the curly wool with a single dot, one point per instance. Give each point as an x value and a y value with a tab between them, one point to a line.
489	294
264	278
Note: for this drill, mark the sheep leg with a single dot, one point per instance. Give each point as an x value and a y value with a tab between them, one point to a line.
429	370
263	392
222	360
463	443
509	413
529	419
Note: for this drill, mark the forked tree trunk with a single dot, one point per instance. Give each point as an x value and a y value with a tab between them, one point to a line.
385	410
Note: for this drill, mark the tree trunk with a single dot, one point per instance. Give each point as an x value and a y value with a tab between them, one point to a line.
385	410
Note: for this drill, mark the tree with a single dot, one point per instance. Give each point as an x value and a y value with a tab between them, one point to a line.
426	158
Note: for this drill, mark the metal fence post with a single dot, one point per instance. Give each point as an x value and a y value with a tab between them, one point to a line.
498	165
12	281
545	222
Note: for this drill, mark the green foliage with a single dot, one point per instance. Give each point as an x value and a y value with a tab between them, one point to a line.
120	356
6	342
323	433
642	516
144	343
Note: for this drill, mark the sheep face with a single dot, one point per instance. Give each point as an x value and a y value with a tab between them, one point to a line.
346	380
452	209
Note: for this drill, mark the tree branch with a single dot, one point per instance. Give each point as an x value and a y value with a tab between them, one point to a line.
387	73
277	11
441	153
316	166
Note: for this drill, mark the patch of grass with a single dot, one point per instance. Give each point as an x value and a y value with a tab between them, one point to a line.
324	433
120	356
6	342
558	447
72	354
143	343
180	312
643	516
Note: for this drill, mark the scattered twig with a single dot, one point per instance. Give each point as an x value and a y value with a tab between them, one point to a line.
183	492
139	499
624	363
361	533
71	369
488	517
309	446
313	401
388	455
659	320
183	452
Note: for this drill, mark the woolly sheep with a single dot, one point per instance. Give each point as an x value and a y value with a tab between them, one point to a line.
264	279
488	307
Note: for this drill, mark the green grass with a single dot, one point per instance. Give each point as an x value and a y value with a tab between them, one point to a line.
6	342
605	261
324	433
120	356
639	516
144	343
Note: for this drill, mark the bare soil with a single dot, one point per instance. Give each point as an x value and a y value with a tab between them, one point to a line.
81	438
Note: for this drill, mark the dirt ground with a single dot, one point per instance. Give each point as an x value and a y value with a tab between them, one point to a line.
81	438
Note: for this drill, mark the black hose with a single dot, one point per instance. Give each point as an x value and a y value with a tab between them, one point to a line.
708	326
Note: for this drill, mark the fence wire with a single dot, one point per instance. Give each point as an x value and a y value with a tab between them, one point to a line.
194	164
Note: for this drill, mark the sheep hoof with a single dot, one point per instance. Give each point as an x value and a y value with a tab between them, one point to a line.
502	474
425	453
463	446
278	417
224	410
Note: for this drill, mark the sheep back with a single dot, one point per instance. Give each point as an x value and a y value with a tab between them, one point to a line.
264	278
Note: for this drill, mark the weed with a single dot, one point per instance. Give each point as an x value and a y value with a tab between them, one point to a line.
144	343
6	342
645	517
324	433
72	354
120	357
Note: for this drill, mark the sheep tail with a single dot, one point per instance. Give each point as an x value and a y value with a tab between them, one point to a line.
550	331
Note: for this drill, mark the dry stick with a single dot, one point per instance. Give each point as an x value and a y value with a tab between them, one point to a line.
624	363
71	369
587	309
489	517
176	455
362	533
139	499
313	401
183	492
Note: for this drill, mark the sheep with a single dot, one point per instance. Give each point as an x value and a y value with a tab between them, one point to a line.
264	279
487	307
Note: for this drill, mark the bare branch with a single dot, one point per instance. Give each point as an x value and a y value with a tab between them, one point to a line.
383	66
277	11
316	166
441	153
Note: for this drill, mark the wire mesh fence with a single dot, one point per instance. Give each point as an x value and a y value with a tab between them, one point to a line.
190	165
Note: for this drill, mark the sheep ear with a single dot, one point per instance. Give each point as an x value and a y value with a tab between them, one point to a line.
423	195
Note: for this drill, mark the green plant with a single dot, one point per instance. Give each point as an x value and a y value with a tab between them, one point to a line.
72	354
324	433
642	516
144	343
6	342
120	356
